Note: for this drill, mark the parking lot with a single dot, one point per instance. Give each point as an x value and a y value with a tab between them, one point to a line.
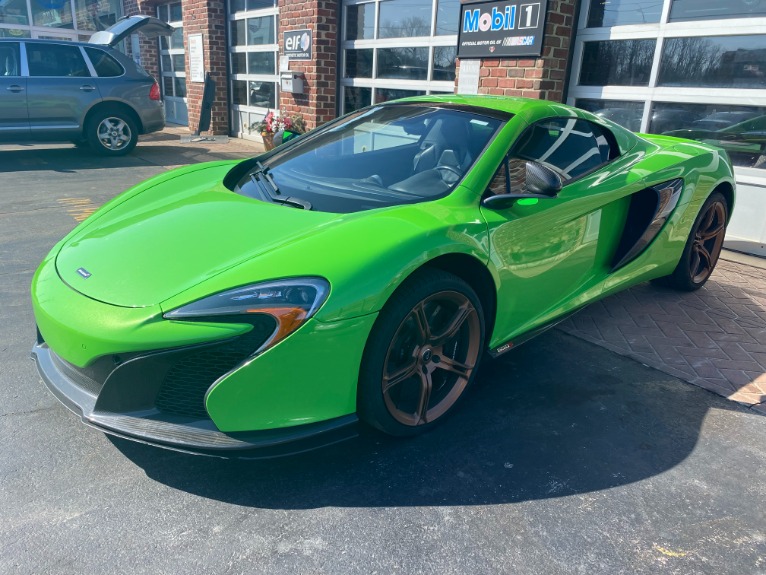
566	458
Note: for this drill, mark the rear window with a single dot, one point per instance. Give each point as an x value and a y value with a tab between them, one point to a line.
105	65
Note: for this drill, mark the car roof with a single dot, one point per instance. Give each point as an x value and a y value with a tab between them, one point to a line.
511	105
43	41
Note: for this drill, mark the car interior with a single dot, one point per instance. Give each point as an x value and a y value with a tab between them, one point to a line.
10	61
435	157
384	156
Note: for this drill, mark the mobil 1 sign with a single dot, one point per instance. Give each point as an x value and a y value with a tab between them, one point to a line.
493	29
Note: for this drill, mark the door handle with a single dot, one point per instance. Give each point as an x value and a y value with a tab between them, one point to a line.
87	88
15	88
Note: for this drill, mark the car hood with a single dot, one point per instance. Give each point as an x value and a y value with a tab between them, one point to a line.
173	236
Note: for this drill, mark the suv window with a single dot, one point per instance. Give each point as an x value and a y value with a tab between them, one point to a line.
103	63
9	59
56	60
571	146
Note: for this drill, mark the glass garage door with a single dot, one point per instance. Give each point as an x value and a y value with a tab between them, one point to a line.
686	68
253	51
173	65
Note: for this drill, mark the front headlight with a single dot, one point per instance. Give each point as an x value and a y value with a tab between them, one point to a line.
290	302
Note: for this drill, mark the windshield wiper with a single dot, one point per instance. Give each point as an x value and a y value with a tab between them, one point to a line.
291	201
261	174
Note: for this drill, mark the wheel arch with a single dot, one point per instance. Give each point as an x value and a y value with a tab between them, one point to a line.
726	189
476	274
105	106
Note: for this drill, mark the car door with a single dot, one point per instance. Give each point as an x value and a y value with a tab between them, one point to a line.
60	89
14	121
552	254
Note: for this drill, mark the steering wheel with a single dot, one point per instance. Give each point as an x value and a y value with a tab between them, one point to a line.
450	169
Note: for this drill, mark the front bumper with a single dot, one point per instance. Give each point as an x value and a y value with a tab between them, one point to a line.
84	395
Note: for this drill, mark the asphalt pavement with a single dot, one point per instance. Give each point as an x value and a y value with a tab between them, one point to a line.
566	458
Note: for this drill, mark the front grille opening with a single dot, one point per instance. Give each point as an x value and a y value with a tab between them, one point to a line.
184	387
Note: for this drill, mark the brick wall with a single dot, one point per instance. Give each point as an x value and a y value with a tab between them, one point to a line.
541	77
199	16
317	103
209	18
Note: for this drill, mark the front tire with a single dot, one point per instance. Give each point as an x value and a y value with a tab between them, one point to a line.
703	247
422	354
111	133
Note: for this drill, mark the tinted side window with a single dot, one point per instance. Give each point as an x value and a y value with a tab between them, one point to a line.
571	146
103	63
56	60
9	59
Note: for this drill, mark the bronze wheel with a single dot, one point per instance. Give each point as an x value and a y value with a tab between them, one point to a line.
422	355
703	246
708	239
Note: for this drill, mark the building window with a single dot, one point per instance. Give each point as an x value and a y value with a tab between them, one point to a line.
60	20
397	48
253	58
617	63
685	10
621	12
714	62
95	15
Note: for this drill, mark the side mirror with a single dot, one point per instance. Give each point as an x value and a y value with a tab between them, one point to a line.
542	180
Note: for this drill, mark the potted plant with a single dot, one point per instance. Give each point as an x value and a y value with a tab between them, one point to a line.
273	124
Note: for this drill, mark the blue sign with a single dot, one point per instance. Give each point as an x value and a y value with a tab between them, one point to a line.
493	29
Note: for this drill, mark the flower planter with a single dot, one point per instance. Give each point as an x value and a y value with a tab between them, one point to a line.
268	140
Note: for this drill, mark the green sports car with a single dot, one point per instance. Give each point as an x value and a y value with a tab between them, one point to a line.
361	271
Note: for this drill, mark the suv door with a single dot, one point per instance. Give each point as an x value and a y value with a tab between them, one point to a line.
60	89
14	121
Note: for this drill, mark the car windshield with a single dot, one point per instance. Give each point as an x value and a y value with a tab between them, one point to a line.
377	157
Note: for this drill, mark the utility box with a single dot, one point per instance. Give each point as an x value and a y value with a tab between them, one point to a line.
291	82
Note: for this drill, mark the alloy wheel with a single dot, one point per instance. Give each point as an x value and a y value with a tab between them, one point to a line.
114	133
431	357
708	239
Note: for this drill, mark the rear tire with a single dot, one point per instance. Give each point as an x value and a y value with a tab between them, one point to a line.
703	247
422	354
111	133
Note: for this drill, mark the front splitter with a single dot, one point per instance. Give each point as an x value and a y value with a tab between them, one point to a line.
185	435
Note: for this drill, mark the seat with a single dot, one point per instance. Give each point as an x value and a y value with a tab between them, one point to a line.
10	66
447	133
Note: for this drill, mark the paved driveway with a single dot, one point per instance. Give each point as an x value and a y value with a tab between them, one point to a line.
567	458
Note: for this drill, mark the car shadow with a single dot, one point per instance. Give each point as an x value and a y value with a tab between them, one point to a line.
557	417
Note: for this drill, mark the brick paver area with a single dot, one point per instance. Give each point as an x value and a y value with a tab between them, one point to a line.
714	338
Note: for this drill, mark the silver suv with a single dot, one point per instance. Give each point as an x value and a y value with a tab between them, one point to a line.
81	92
